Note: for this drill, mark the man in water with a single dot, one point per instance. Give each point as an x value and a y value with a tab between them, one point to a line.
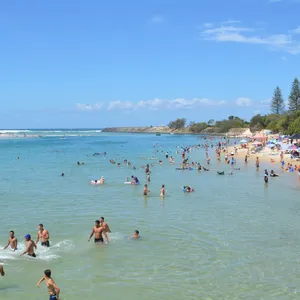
98	230
43	234
2	270
135	180
146	191
53	289
136	235
30	246
104	225
12	241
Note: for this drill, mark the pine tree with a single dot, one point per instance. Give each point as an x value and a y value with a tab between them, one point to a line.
294	98
277	104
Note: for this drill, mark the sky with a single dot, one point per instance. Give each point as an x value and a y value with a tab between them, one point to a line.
95	64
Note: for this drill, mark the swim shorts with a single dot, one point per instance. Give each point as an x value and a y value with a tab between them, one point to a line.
32	255
53	297
99	240
45	244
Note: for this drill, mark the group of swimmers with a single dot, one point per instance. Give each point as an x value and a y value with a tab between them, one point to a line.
100	229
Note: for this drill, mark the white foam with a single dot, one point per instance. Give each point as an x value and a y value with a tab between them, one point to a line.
42	253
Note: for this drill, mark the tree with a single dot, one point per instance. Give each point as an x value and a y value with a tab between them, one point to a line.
277	104
177	124
295	126
294	98
257	122
211	122
197	127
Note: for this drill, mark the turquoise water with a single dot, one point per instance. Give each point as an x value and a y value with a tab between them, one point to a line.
233	238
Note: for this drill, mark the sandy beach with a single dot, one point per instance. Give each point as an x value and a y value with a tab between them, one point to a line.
266	155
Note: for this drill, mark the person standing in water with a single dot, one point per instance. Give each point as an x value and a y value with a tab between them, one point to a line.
162	191
98	230
104	225
30	246
53	289
12	241
257	162
146	191
43	234
2	270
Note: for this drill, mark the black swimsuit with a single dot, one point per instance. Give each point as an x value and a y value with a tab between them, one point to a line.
99	240
32	255
45	244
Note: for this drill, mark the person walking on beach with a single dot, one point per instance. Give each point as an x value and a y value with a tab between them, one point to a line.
104	225
43	234
2	273
12	241
97	231
30	246
53	289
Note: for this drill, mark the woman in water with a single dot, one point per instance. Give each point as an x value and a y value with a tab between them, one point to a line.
162	191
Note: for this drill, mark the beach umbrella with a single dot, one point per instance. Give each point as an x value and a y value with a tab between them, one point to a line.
270	145
257	143
243	141
295	136
294	147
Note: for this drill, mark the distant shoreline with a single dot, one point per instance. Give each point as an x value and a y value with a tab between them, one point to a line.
156	130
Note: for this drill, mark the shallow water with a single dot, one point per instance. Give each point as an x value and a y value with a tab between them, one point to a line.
233	238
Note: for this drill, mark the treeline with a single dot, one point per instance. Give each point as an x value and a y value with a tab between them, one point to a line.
281	119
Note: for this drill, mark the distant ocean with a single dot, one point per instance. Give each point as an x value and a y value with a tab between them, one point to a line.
54	132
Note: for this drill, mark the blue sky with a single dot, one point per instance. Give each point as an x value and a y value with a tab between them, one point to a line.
117	63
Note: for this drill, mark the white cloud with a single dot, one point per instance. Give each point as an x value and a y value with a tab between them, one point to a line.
243	102
157	19
266	101
228	32
89	107
178	103
296	31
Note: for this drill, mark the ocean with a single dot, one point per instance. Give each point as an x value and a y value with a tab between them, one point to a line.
233	238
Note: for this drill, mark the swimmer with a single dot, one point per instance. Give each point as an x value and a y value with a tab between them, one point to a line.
102	180
162	191
30	246
136	235
98	230
146	191
273	174
80	163
104	225
43	234
62	174
246	159
148	177
53	289
12	241
2	270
